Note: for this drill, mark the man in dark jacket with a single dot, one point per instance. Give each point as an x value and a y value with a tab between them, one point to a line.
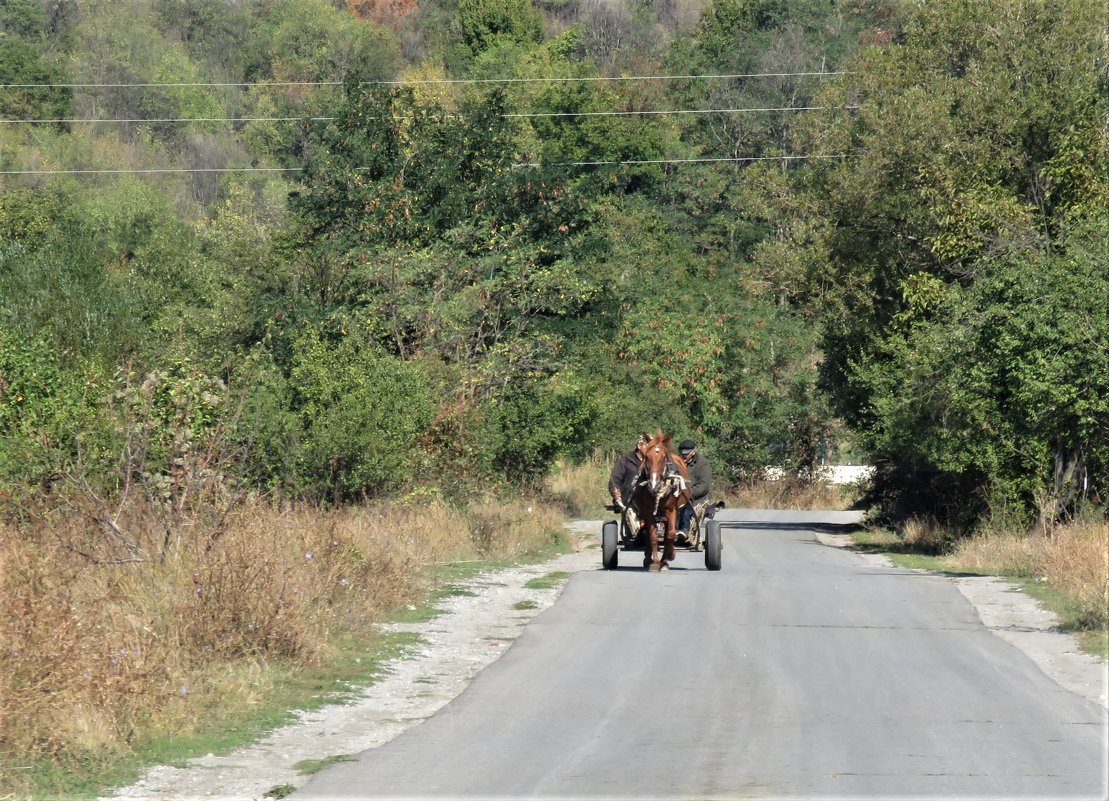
700	483
621	484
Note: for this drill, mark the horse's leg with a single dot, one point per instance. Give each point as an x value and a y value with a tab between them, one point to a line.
671	536
650	547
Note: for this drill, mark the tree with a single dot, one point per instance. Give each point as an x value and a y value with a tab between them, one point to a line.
24	63
486	23
974	156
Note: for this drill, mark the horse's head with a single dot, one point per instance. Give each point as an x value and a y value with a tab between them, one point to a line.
656	460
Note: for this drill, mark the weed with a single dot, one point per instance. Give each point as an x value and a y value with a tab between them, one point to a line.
209	637
548	581
311	766
280	791
522	605
581	489
793	493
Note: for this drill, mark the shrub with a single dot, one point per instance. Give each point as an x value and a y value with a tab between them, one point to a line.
361	411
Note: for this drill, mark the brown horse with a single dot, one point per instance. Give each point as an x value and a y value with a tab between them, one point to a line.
662	491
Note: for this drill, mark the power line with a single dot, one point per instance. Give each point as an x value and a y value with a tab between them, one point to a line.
145	170
634	162
422	81
537	114
682	161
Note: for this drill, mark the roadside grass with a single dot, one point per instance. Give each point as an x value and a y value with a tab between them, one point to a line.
581	490
275	693
525	605
547	582
107	670
308	767
793	493
280	791
1067	572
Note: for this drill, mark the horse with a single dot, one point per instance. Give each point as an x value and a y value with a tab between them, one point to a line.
662	490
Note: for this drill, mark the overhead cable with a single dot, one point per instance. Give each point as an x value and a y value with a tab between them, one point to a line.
527	114
639	162
422	81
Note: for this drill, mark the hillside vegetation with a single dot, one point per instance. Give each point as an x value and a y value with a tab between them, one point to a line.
266	258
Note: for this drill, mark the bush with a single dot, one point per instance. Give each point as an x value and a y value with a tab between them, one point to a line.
361	413
47	413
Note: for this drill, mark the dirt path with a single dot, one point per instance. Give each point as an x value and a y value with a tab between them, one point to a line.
474	630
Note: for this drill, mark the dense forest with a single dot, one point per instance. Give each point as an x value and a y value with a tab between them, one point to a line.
333	250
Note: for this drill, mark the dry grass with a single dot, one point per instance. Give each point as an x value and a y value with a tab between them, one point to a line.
1073	561
582	489
926	535
792	493
97	656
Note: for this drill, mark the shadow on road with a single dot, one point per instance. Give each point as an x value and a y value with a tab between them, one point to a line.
767	525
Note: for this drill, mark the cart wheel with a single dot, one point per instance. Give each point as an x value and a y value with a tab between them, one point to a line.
610	552
713	545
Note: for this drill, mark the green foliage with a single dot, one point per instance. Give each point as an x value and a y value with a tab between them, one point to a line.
23	18
980	168
53	288
531	312
361	413
46	409
310	40
22	61
486	23
266	430
1004	377
533	424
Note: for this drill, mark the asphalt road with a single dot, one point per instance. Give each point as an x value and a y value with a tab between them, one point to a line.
797	671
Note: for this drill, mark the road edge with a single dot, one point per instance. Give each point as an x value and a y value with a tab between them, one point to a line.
1019	619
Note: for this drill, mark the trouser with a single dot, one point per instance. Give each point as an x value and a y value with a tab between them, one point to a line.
685	514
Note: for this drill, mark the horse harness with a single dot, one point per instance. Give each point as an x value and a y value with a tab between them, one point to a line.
672	483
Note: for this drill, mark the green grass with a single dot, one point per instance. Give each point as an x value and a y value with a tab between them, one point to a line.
548	581
280	791
311	766
522	605
448	578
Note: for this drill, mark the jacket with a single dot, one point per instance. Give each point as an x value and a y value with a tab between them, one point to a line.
623	476
700	477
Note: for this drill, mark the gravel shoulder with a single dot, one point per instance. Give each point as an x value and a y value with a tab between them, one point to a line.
476	629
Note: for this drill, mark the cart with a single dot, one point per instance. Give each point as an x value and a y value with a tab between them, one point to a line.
704	535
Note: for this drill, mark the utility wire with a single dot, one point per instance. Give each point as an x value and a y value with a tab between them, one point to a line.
537	114
678	161
423	81
184	170
133	170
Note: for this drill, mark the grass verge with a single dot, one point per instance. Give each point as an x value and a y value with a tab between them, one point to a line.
1068	572
224	639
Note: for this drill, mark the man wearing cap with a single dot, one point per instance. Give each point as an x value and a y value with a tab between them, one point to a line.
621	484
700	484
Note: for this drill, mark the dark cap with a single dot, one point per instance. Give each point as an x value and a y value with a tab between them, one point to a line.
686	446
